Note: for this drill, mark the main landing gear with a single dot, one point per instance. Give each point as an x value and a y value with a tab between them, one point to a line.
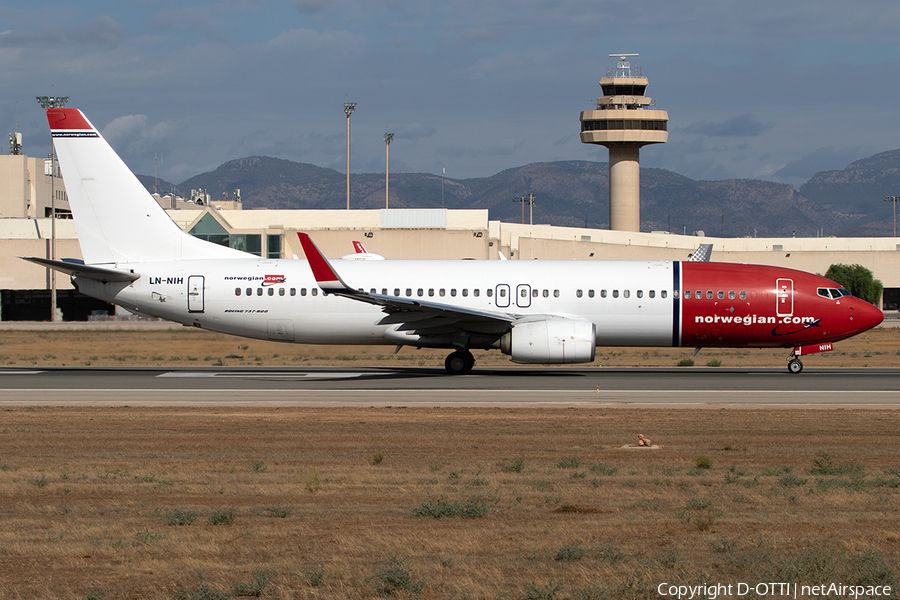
459	362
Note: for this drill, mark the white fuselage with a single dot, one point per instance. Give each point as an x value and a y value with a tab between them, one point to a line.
629	302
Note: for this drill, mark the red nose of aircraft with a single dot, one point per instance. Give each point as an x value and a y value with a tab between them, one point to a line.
864	315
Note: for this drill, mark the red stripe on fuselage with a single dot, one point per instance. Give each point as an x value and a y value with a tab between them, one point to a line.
67	118
763	317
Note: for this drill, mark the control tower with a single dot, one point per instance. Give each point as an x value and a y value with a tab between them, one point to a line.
623	124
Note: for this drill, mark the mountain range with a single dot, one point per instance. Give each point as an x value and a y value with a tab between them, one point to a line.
848	202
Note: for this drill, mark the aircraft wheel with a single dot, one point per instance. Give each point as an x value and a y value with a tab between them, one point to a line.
795	366
459	362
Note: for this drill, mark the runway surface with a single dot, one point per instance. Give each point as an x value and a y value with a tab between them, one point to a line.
541	386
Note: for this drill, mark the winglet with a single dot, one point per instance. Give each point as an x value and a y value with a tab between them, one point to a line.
326	277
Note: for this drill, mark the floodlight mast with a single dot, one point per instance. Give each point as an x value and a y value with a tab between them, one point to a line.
52	102
893	200
349	107
388	138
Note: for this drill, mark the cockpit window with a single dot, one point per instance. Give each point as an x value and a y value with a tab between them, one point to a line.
835	293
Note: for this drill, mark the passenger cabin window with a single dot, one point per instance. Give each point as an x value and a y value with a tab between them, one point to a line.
603	293
315	291
615	293
743	295
408	292
293	291
237	291
259	291
731	295
442	292
721	295
281	291
709	294
663	293
546	293
431	291
556	293
249	292
453	292
271	291
652	293
476	292
420	292
578	293
490	293
396	291
626	293
302	291
465	291
590	293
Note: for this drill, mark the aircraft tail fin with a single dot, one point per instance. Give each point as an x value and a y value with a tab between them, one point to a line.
117	220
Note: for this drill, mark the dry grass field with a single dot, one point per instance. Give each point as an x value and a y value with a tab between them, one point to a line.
157	344
441	503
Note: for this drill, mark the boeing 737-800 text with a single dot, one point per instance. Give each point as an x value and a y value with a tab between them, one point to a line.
539	312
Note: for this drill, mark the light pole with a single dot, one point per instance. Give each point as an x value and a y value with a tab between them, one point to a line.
529	200
893	200
349	107
388	138
522	200
52	102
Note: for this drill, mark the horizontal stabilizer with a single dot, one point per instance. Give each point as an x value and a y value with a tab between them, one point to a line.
82	270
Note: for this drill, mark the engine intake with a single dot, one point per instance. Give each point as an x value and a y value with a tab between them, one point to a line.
551	341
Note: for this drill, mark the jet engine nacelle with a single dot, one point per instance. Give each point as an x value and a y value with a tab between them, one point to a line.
551	341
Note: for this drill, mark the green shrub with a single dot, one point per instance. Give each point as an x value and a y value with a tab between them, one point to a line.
471	508
180	517
376	458
569	462
685	362
396	576
314	576
823	465
703	462
256	588
570	553
222	516
513	465
603	469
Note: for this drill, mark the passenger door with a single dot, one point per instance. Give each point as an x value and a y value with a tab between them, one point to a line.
784	297
195	294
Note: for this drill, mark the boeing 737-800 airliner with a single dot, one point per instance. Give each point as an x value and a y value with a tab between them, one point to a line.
539	312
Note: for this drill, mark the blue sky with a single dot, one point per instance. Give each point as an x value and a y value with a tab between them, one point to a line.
763	90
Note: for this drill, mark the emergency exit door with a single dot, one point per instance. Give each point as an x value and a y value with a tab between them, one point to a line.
195	294
784	297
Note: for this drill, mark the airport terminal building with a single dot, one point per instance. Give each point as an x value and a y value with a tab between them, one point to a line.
26	229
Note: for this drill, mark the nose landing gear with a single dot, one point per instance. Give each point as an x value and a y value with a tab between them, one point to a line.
794	364
459	362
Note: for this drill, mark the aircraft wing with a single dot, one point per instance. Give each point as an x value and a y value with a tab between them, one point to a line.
79	269
413	315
